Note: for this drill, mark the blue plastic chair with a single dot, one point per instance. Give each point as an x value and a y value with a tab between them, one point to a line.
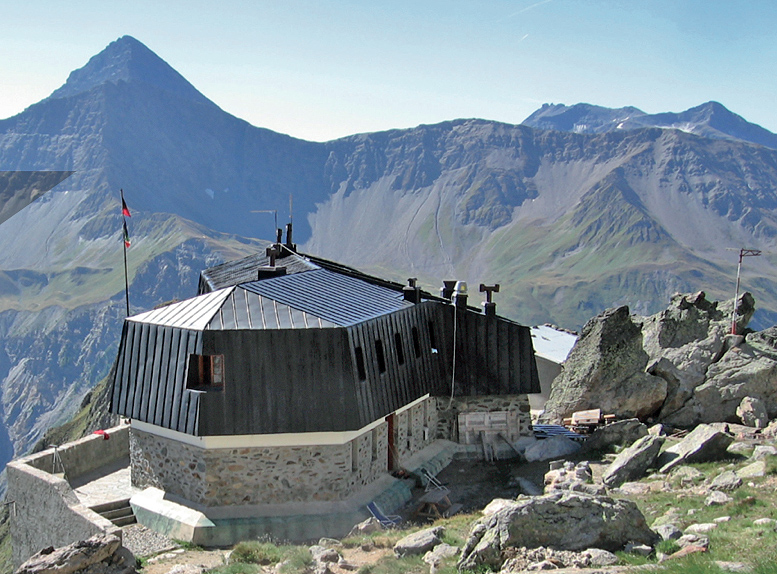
386	520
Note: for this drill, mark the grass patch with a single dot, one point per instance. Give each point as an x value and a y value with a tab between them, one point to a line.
237	568
187	545
264	553
771	465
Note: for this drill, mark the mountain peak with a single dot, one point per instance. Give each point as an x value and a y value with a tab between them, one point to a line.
127	60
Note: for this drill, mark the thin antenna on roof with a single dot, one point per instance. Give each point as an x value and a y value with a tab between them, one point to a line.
291	209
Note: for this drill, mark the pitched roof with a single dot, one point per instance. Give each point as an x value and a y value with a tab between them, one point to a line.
313	299
245	269
340	299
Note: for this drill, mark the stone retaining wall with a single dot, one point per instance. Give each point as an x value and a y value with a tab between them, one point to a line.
277	474
44	509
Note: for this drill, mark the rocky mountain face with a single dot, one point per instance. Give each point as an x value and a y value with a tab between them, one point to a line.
711	120
567	223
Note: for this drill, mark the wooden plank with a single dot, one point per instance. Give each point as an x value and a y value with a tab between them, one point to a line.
170	379
122	376
151	402
140	385
161	373
133	370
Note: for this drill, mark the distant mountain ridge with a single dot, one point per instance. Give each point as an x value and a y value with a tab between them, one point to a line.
127	60
710	120
567	223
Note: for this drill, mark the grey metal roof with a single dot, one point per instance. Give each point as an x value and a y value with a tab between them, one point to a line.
194	313
245	269
340	299
244	309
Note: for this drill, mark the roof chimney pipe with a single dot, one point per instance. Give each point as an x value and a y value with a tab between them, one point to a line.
411	292
460	294
278	235
446	291
289	245
489	307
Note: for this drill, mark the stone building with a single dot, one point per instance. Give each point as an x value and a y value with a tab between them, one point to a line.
290	388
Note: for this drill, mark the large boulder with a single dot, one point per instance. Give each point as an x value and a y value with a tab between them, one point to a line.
561	520
752	412
633	462
100	554
606	370
623	433
551	448
702	444
740	373
419	542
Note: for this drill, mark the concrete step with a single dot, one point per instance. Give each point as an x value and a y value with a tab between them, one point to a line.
100	508
126	521
119	512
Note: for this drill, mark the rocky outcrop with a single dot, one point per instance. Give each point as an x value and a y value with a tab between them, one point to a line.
606	370
561	520
101	554
680	366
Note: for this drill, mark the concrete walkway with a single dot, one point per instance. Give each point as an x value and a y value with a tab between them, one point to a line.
109	483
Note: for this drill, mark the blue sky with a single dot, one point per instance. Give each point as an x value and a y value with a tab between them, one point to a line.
320	70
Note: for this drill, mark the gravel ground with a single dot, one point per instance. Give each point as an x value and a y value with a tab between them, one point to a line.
142	541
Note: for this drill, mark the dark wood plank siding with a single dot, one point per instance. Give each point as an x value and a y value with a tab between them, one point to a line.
493	356
306	380
281	381
150	376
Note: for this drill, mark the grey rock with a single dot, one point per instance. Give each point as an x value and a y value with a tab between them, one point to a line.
322	554
702	444
740	448
752	412
686	475
527	487
657	430
761	451
633	462
623	433
668	532
419	542
599	557
366	527
330	543
701	528
741	372
440	553
631	488
606	370
692	539
554	447
753	470
97	550
717	498
555	520
726	481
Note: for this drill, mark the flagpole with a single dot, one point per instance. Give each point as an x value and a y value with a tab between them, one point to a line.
124	213
126	281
